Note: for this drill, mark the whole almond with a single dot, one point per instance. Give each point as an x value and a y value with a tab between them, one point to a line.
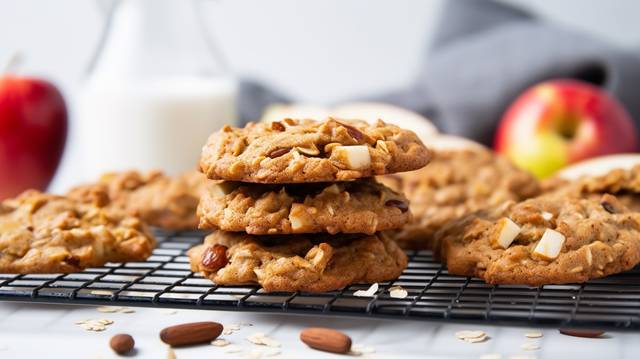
122	343
190	333
325	339
584	333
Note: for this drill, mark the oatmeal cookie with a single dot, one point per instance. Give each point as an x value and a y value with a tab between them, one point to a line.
362	206
623	183
545	240
43	233
158	199
295	151
456	183
315	263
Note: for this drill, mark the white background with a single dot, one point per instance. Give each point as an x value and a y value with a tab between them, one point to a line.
313	51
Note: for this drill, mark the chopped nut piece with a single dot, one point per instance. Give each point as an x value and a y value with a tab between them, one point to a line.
464	334
403	207
367	293
108	309
397	292
277	152
550	245
277	126
547	216
534	335
220	343
382	145
312	151
353	132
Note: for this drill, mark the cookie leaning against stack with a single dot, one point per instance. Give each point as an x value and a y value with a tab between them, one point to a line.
284	217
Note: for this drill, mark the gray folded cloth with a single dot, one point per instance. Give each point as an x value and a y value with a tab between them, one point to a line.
483	56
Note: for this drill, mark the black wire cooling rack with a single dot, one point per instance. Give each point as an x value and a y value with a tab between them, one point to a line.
165	281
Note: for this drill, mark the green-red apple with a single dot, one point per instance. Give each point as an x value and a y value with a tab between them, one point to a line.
559	122
33	130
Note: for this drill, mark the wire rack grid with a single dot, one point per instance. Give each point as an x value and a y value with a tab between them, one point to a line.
165	281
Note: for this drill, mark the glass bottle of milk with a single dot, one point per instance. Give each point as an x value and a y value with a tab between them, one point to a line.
157	88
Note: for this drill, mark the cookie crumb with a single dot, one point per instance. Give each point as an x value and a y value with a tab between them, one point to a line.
398	292
530	346
94	325
262	339
367	293
220	343
108	309
359	349
472	336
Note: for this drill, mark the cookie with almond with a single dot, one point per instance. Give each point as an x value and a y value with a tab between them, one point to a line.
295	151
545	240
361	206
289	263
44	233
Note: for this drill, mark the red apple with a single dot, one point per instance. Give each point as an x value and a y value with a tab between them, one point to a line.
559	122
33	130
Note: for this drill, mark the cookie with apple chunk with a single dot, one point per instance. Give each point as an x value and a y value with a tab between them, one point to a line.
455	183
43	233
296	151
545	240
360	206
159	200
289	263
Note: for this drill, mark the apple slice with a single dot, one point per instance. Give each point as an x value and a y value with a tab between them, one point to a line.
599	166
448	142
355	157
508	230
296	216
549	246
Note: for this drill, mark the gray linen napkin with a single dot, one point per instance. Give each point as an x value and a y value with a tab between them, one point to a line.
485	54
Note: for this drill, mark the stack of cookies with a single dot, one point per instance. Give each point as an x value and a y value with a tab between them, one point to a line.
294	206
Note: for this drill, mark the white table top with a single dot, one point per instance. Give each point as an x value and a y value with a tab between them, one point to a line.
48	331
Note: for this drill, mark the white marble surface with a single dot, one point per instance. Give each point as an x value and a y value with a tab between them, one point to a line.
48	331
